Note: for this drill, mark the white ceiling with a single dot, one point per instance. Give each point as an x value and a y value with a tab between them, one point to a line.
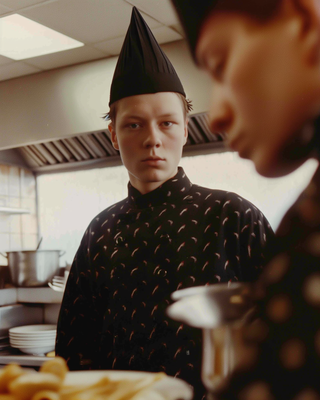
100	24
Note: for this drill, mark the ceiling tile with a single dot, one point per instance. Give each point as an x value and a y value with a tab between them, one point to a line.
18	4
112	46
101	24
178	28
88	21
162	10
68	57
5	60
4	10
15	69
165	35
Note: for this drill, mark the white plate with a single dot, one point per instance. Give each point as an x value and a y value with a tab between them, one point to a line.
59	278
33	344
40	339
167	388
37	350
41	343
33	335
57	288
33	329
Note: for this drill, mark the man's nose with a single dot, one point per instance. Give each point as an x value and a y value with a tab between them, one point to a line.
220	115
152	138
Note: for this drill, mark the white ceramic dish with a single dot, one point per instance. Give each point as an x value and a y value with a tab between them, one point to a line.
37	350
166	389
47	337
32	338
59	278
58	283
56	287
33	329
29	343
35	338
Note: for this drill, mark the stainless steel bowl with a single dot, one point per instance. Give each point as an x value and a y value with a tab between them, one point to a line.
33	268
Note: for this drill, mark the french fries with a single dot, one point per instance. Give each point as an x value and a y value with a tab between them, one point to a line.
48	384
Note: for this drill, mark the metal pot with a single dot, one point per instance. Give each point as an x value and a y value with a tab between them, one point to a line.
33	268
221	311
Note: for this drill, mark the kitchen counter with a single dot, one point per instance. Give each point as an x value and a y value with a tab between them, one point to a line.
8	296
25	306
10	355
43	295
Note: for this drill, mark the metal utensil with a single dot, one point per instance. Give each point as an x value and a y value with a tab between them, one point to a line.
220	310
39	243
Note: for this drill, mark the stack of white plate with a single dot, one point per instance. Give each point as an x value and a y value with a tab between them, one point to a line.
33	339
58	283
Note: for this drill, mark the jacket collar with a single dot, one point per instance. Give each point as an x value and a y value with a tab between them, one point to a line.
170	191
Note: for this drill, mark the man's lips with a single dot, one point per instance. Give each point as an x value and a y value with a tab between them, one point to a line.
234	140
239	143
153	159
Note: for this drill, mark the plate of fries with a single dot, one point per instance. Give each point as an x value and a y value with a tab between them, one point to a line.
53	381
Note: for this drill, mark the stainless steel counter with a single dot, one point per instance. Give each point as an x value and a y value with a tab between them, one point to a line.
43	295
10	355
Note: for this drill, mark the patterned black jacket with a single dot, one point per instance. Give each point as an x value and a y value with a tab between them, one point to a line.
283	356
134	255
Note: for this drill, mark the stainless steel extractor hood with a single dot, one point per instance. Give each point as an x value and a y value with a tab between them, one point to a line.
94	150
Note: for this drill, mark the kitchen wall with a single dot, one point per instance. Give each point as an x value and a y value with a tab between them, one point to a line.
68	201
70	101
17	190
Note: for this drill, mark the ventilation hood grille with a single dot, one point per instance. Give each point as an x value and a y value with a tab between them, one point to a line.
94	150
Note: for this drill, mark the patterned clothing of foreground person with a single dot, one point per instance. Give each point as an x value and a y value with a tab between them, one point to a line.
134	255
283	356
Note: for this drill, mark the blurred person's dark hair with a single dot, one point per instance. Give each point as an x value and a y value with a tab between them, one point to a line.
261	9
193	13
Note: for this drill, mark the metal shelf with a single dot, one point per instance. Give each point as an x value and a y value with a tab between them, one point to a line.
11	210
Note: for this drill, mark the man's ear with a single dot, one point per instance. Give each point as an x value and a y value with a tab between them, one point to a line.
114	138
308	12
186	131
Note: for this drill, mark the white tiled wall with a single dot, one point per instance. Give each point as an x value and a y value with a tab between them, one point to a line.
17	190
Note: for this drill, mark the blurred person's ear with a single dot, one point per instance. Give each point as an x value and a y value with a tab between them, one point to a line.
114	138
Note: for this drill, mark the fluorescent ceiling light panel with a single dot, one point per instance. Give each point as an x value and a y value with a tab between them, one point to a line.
22	38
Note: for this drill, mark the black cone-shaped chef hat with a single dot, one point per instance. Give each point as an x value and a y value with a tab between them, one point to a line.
192	14
142	66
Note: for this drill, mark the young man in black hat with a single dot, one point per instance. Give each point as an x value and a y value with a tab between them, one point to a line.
264	61
168	234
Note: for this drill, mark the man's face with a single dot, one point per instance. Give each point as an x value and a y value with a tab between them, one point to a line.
263	89
150	131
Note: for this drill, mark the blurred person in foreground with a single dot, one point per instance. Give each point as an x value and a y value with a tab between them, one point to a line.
168	234
263	57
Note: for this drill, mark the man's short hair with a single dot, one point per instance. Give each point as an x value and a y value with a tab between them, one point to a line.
186	107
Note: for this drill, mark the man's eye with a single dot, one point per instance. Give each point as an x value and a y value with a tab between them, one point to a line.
134	126
216	66
217	70
167	124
